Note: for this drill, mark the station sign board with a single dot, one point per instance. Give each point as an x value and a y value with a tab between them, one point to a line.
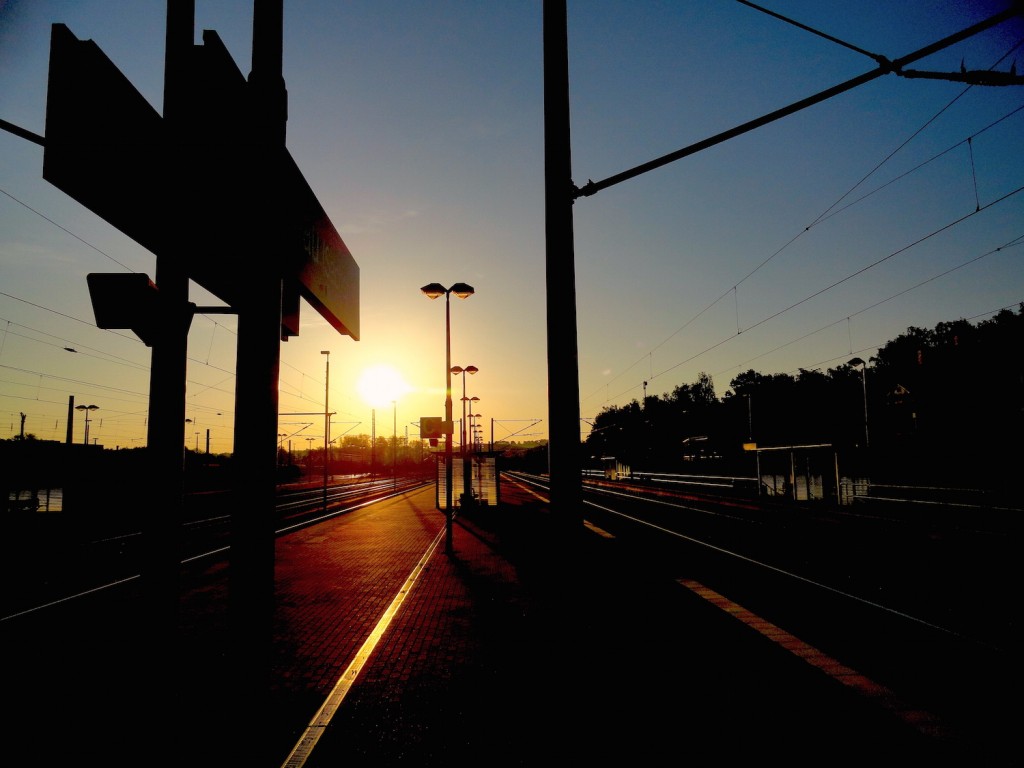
206	192
434	427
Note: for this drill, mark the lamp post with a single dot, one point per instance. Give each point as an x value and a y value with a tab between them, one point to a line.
433	291
467	484
327	418
472	405
477	430
864	386
86	408
457	370
394	445
465	416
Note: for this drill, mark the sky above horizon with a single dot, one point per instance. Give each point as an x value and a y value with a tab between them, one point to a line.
795	246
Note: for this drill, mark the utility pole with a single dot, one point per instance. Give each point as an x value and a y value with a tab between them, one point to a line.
563	355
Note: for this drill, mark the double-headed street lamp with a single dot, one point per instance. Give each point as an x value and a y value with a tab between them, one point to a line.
457	370
468	418
467	484
86	408
433	291
477	430
472	405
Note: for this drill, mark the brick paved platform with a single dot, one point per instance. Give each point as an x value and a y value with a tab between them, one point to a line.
523	647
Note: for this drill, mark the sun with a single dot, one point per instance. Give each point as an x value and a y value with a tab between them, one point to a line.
381	384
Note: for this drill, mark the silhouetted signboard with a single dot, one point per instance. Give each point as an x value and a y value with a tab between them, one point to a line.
327	274
104	141
202	189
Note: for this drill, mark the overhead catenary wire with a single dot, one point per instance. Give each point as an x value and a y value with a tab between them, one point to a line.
731	337
885	67
1013	243
829	212
818	220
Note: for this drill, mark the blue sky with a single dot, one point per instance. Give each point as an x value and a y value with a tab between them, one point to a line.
419	126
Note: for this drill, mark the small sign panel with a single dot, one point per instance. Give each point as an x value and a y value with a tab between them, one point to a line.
430	426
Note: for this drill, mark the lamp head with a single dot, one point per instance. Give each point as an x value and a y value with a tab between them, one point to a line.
462	290
434	290
856	361
471	369
458	369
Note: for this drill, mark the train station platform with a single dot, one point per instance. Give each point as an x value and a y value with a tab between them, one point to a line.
526	645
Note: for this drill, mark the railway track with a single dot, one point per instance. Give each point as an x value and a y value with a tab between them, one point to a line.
923	606
53	566
917	609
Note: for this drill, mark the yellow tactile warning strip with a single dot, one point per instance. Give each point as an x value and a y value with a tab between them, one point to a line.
925	722
599	531
311	735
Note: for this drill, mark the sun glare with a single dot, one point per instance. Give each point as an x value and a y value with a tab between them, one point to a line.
381	384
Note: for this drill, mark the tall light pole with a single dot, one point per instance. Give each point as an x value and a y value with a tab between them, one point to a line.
433	291
467	484
477	430
472	406
394	445
864	386
86	408
327	418
457	370
564	464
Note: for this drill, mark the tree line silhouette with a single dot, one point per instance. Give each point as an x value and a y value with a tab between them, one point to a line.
941	406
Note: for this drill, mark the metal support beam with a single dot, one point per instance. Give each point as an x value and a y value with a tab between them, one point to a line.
563	364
